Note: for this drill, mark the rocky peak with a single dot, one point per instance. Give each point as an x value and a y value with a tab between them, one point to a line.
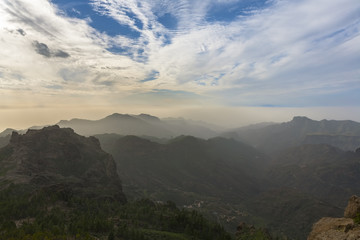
55	156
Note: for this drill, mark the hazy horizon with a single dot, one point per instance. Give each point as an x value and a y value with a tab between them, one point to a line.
226	118
226	62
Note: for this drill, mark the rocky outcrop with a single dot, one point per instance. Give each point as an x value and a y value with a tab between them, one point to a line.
353	207
339	228
59	160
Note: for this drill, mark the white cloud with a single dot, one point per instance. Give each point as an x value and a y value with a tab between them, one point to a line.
290	46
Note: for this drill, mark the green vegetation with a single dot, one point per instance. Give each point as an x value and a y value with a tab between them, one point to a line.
42	215
256	235
249	232
357	219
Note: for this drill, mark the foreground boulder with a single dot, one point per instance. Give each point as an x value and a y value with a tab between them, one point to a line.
346	228
58	160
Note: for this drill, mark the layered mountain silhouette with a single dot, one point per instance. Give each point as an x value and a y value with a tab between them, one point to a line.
139	125
216	167
274	137
344	142
56	184
226	178
57	159
322	171
310	171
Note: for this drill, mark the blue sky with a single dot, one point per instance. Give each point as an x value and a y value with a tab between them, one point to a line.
162	56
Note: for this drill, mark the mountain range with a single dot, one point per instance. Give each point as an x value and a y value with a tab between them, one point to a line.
272	137
140	125
267	137
214	167
280	176
56	184
232	182
323	171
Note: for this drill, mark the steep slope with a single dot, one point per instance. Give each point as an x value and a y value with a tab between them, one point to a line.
289	134
322	171
139	125
60	160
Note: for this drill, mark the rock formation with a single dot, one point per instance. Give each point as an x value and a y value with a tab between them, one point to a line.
339	228
353	207
59	160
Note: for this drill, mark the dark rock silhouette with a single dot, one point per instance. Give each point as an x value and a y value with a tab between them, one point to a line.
58	159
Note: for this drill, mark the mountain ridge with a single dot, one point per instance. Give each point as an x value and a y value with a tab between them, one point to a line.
140	125
276	137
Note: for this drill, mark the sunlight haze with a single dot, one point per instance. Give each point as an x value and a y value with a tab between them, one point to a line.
229	63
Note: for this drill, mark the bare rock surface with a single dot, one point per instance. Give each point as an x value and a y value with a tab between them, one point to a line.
59	160
353	207
338	228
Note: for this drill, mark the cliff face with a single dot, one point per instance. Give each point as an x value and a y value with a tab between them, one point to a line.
346	228
57	159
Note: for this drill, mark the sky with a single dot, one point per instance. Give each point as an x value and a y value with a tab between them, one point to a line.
228	62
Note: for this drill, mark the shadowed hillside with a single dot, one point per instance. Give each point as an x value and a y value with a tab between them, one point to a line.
323	171
225	179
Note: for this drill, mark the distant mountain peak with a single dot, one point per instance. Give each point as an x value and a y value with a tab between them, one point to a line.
188	141
300	130
300	119
118	115
148	117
